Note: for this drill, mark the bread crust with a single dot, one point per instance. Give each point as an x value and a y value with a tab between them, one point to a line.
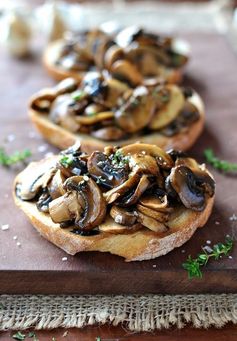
62	138
58	73
140	245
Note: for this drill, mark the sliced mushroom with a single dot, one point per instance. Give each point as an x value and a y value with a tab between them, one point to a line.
115	89
35	177
112	54
151	223
93	119
55	187
94	108
105	171
126	71
110	226
160	216
192	187
65	208
122	216
63	111
66	85
110	133
120	190
163	159
87	204
155	203
132	197
93	84
136	113
43	201
146	164
73	161
168	112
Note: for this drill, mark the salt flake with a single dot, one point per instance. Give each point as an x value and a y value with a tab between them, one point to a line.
5	227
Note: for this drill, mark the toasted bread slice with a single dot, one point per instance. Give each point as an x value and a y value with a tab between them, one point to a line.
62	138
136	245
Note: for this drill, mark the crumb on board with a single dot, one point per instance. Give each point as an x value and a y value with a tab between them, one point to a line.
208	242
18	244
5	227
217	223
154	265
183	251
42	148
15	237
233	217
230	257
64	259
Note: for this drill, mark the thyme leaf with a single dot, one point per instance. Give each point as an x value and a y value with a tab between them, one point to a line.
193	265
219	164
66	160
19	336
8	160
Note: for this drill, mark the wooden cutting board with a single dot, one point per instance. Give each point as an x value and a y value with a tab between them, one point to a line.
36	266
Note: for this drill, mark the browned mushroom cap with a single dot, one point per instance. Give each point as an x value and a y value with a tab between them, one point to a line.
64	109
65	86
88	204
110	133
120	190
137	112
134	195
159	216
105	171
127	72
122	216
55	187
112	54
65	208
37	177
110	226
156	203
73	161
93	119
151	223
192	187
146	58
114	90
162	158
173	103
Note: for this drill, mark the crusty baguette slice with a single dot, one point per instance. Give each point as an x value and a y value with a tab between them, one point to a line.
139	245
62	138
58	73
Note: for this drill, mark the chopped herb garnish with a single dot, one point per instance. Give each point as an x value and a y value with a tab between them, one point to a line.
218	164
98	338
119	159
66	160
8	160
77	95
19	336
193	265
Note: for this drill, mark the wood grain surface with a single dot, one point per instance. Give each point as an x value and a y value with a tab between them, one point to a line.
36	266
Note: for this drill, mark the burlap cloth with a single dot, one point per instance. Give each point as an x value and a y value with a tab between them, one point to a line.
136	313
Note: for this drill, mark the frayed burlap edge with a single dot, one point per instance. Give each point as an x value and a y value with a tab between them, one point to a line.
137	313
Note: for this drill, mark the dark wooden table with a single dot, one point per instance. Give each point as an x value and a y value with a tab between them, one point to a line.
213	73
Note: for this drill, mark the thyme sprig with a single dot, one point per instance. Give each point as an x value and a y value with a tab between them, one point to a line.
8	160
193	265
66	160
221	165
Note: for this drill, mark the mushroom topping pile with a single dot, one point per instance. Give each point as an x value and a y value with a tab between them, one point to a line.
111	110
120	190
132	55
